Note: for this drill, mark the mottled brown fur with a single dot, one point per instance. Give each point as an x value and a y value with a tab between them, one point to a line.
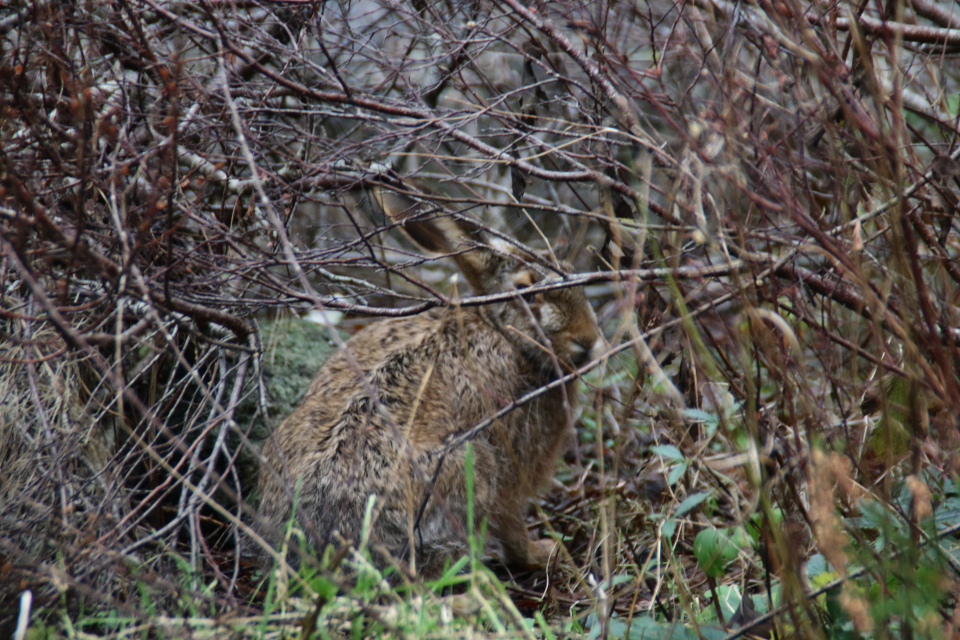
380	412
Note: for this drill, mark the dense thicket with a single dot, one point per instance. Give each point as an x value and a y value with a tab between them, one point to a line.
760	197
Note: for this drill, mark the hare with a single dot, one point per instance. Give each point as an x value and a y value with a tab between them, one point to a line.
378	418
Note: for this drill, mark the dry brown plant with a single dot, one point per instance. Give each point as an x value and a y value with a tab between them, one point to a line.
759	199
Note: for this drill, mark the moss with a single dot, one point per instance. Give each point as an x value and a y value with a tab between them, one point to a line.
293	352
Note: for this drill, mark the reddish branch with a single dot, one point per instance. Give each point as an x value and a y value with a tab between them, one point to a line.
909	32
936	13
872	26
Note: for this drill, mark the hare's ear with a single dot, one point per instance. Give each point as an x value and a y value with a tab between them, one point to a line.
432	230
428	233
440	233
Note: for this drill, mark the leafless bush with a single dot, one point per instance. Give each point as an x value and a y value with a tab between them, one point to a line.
761	196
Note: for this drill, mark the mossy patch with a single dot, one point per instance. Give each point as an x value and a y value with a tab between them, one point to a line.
294	350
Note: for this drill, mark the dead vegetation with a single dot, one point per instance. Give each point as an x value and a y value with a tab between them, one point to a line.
760	198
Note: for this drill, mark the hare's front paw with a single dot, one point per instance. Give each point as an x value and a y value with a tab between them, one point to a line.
539	552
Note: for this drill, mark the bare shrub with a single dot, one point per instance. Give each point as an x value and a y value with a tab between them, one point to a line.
760	198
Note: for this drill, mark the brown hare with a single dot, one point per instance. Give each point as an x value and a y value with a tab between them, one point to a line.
378	416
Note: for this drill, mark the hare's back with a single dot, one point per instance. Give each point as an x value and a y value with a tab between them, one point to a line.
432	374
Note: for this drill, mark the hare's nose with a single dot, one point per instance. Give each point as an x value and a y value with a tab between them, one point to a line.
580	352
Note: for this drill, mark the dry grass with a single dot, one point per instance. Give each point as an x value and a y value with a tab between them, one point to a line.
760	199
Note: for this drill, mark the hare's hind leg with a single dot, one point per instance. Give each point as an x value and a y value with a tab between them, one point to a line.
518	549
541	551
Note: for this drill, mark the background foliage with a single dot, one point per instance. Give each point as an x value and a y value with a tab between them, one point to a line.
761	199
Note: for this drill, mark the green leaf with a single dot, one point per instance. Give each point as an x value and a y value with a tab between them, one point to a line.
714	550
740	537
648	628
668	451
676	473
754	524
730	599
699	415
326	589
669	528
690	503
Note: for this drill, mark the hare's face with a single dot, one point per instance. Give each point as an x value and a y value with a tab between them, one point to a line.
568	321
552	327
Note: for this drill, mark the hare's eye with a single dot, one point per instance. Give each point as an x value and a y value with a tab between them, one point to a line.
523	280
526	294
